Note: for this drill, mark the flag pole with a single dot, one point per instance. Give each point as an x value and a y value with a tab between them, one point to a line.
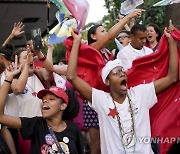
48	7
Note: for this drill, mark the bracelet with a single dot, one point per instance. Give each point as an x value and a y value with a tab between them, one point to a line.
8	81
43	58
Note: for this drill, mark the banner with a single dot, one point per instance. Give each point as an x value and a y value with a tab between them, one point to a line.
79	10
63	29
163	3
129	6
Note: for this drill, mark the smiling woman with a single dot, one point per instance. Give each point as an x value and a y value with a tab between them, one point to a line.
97	10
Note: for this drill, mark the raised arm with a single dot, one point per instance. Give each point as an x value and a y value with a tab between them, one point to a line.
6	120
19	84
48	69
172	75
81	86
114	31
59	69
17	30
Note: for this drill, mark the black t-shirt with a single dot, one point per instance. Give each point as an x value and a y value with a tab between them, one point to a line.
36	130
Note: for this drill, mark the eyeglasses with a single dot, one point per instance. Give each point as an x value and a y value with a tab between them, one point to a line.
122	37
118	71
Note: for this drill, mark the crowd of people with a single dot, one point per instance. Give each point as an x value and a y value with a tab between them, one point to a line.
46	108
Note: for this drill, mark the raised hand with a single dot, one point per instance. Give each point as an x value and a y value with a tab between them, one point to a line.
167	31
13	69
136	13
171	26
76	35
17	29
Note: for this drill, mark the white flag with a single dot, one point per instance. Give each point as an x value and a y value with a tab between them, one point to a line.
129	5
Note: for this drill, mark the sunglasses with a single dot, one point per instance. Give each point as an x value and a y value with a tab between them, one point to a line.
122	37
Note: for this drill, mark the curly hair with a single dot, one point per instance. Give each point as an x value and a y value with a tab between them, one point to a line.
73	106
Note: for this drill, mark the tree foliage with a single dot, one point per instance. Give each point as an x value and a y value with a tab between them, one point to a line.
151	15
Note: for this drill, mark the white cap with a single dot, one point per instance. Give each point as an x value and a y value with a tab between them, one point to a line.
108	67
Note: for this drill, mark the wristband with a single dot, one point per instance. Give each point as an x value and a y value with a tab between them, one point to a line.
8	81
43	58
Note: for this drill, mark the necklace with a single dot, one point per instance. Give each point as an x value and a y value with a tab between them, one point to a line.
33	85
129	136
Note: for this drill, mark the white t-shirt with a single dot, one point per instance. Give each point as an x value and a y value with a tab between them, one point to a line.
60	82
143	97
128	54
12	106
28	100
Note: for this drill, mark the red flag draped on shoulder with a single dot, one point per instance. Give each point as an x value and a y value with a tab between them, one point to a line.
165	115
90	64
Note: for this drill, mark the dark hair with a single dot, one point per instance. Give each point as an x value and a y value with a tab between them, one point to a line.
136	28
92	30
124	31
73	106
7	51
62	60
18	52
157	30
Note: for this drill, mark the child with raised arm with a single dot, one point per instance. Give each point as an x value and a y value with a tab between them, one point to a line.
51	133
123	113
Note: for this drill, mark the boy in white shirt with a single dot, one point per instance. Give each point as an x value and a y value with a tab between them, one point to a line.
123	113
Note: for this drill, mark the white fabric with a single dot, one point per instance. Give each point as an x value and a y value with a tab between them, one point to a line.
108	67
143	98
128	54
60	82
30	105
12	106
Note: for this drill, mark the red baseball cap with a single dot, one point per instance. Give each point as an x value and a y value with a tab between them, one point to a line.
59	92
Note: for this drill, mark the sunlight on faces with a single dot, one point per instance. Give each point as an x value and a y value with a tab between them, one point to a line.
99	34
52	105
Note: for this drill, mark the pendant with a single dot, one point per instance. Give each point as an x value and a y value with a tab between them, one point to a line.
113	112
34	94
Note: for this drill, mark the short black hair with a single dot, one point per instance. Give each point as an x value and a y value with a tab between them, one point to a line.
124	31
7	51
136	28
92	30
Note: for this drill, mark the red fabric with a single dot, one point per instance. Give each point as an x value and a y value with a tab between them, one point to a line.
23	145
90	64
165	115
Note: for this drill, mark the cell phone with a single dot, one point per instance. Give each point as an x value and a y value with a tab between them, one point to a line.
36	38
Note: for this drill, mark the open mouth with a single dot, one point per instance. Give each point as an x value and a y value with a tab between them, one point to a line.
124	84
149	37
45	107
31	65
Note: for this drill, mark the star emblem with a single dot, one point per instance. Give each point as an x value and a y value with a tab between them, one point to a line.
34	94
113	112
